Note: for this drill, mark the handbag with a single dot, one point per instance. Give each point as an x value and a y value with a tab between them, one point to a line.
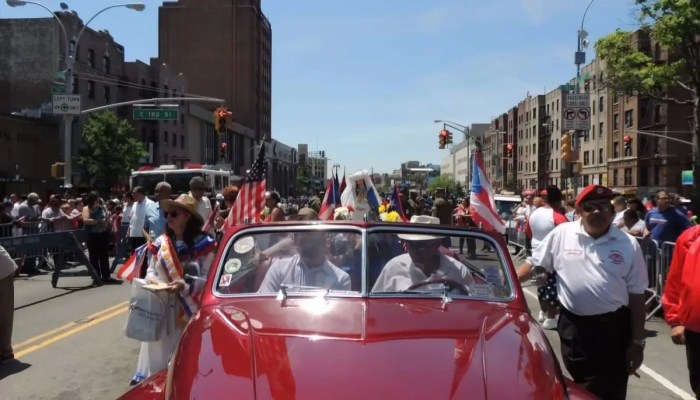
146	313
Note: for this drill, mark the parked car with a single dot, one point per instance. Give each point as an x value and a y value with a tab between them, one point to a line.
321	310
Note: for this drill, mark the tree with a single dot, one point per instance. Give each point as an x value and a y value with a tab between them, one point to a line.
442	181
303	179
109	149
675	26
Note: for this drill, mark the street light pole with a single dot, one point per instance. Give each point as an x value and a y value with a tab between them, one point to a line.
68	84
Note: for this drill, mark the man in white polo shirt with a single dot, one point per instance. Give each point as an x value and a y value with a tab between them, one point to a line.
601	278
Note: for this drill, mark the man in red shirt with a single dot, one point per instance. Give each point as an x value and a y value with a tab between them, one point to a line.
680	299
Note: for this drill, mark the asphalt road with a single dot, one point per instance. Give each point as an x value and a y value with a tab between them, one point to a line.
69	344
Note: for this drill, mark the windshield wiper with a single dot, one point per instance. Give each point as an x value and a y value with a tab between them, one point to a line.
282	294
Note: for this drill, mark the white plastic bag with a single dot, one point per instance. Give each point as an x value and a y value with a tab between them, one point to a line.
146	313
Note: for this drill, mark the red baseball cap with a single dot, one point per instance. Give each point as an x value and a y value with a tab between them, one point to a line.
594	192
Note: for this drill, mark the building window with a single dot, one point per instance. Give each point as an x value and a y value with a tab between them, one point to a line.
106	64
106	94
165	137
592	132
657	113
165	91
557	105
628	176
593	108
614	177
534	168
556	163
586	158
91	58
600	156
601	130
182	141
165	158
76	86
657	175
616	150
628	151
71	48
586	180
600	104
174	139
91	89
616	122
629	115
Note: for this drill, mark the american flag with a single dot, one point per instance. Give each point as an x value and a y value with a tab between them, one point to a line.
251	197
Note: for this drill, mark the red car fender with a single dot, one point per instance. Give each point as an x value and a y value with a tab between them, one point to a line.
152	388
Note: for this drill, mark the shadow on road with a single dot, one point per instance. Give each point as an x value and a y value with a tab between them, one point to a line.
12	367
68	290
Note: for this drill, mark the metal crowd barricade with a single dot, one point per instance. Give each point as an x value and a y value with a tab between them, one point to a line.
652	254
517	239
121	247
38	242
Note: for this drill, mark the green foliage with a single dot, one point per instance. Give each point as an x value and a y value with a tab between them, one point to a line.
459	189
513	185
442	181
303	179
109	149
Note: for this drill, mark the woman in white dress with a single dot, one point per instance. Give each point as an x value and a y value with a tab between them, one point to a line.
182	251
361	196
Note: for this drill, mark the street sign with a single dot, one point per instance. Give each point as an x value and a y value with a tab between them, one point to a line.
577	100
156	114
58	90
66	104
687	177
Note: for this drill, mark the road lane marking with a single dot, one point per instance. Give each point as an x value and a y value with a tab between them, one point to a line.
662	380
69	330
67	326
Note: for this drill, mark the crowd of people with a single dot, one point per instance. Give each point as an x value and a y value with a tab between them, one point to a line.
584	256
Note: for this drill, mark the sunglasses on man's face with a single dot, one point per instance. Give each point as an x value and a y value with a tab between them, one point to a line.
600	206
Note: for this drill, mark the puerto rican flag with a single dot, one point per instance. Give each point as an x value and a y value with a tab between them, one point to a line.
130	269
482	202
329	202
396	203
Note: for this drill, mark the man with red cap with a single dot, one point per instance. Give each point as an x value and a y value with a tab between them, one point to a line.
601	278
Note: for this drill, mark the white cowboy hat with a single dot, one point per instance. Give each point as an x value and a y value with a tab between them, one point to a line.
421	219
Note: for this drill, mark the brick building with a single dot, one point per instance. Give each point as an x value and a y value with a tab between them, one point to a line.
533	133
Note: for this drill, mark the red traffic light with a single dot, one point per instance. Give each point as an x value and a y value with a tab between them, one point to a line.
223	113
510	147
444	133
628	139
224	146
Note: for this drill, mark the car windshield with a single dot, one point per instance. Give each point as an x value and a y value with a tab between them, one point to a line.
330	261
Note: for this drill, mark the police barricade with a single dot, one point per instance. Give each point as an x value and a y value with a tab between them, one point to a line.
652	257
38	241
516	239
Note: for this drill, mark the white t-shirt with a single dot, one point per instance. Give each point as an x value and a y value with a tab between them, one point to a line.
400	273
541	222
138	218
204	208
639	226
618	221
594	276
293	271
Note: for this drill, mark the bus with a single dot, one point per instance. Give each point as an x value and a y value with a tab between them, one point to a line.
179	178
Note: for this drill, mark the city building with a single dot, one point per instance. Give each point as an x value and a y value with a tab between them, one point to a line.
316	163
28	147
282	168
458	164
593	145
32	54
552	169
495	152
224	49
640	161
533	132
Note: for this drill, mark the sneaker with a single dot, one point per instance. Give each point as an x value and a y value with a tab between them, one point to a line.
550	323
541	316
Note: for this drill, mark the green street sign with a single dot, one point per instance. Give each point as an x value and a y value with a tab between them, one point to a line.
156	114
58	90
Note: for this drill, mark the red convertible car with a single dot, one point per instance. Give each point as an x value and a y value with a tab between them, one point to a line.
331	310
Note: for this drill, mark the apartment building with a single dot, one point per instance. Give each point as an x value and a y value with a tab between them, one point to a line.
532	132
556	171
593	145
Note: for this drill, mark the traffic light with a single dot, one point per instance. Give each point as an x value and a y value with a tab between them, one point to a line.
220	116
57	170
449	137
222	149
628	143
510	149
444	134
566	147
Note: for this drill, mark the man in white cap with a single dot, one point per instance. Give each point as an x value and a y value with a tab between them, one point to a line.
423	262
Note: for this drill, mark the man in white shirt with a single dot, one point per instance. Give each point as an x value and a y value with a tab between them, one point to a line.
137	224
422	263
619	207
309	268
198	187
601	279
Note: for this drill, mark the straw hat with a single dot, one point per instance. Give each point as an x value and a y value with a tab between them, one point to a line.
421	219
184	202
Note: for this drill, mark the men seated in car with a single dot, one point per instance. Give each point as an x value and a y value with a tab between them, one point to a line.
423	262
309	267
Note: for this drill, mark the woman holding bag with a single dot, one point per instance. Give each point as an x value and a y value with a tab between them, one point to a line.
183	251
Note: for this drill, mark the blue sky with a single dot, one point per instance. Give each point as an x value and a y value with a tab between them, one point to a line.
364	79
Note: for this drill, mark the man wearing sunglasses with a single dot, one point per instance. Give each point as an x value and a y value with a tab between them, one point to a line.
601	278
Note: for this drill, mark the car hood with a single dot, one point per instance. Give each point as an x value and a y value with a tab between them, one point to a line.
352	348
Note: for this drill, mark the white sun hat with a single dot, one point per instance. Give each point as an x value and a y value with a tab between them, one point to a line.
421	219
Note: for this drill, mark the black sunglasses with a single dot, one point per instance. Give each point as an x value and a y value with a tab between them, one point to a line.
601	206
